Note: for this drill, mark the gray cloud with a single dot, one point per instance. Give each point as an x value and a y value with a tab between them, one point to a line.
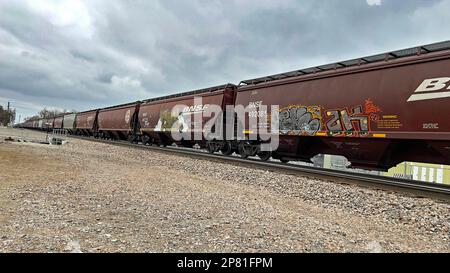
87	54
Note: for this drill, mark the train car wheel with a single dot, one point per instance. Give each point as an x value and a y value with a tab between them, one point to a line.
211	149
227	149
241	151
264	156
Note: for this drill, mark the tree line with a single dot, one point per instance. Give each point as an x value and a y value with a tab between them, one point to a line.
49	113
7	116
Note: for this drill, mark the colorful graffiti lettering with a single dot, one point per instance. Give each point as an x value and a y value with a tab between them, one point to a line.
348	123
371	108
300	120
354	121
308	120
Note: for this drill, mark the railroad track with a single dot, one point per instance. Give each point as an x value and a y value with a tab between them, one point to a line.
412	187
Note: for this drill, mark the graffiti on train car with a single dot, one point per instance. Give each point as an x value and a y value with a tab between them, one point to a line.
348	122
354	121
300	120
166	121
371	109
309	121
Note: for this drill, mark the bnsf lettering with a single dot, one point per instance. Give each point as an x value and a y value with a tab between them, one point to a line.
433	85
195	108
432	89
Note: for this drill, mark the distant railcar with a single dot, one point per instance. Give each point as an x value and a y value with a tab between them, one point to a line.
26	124
40	124
48	124
86	123
69	123
58	122
119	122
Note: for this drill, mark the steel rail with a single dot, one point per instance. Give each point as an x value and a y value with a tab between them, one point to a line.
415	188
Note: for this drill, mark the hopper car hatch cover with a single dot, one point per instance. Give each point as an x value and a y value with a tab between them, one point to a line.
395	55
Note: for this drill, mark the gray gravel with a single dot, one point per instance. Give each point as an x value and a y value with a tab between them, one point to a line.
91	197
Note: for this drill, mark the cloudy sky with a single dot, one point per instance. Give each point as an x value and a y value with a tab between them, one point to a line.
71	54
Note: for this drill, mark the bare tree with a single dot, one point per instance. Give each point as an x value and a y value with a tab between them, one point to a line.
47	113
7	117
32	118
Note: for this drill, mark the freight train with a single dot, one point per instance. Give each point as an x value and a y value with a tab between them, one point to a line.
377	111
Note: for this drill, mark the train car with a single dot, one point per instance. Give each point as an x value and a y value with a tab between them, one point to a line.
159	117
69	123
26	124
48	124
377	111
86	123
40	124
119	122
58	122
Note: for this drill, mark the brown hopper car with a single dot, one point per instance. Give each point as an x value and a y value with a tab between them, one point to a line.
382	111
158	117
86	123
58	122
48	124
118	122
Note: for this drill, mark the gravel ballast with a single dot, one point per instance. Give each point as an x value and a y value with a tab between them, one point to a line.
93	197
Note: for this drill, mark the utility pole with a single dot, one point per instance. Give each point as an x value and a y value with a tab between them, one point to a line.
9	121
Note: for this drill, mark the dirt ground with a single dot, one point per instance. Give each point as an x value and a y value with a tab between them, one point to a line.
90	197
